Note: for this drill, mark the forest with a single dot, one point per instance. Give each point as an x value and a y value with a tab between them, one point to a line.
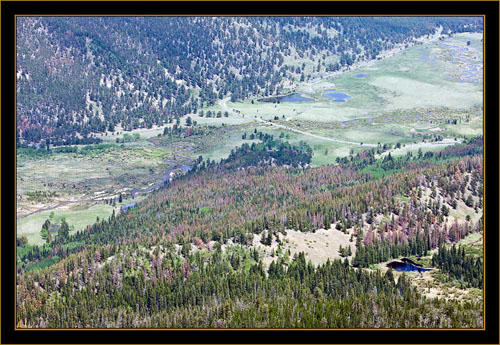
145	200
148	266
218	290
78	77
459	265
269	152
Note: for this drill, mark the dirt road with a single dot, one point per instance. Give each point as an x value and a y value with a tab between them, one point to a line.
223	104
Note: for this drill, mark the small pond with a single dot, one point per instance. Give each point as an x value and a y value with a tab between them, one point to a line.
337	96
406	267
361	75
410	268
293	97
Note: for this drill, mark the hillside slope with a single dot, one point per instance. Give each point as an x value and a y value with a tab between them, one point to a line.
186	256
77	76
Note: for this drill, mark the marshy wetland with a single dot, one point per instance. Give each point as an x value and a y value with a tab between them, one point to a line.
243	180
420	97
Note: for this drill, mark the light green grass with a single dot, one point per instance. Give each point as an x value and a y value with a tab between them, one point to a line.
404	81
474	244
30	226
75	176
228	141
473	128
472	238
318	145
222	149
145	133
414	150
474	38
403	85
78	216
213	121
395	91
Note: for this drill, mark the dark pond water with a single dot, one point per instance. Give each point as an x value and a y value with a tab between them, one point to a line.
295	97
410	268
406	267
337	96
361	75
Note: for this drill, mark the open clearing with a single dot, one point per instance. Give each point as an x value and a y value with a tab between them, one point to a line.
429	286
421	76
318	246
401	99
78	216
416	97
101	174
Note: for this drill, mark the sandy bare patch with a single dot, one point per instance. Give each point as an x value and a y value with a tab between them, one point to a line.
318	246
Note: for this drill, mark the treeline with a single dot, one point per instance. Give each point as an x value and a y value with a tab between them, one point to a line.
221	204
460	266
270	152
43	152
126	286
126	271
77	76
470	147
37	135
384	251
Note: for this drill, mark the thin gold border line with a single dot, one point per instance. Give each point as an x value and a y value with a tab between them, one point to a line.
484	172
249	329
246	15
79	1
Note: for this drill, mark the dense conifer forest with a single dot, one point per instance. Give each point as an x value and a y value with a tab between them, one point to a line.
225	241
161	263
114	287
460	266
78	76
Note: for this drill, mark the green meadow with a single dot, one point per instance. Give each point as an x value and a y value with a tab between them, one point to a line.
411	98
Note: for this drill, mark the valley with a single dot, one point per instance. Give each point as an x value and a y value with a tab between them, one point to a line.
224	208
142	163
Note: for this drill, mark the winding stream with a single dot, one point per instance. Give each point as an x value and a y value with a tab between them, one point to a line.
166	177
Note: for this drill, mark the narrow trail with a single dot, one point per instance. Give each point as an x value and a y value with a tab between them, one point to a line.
166	175
180	153
62	203
223	104
309	84
444	142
